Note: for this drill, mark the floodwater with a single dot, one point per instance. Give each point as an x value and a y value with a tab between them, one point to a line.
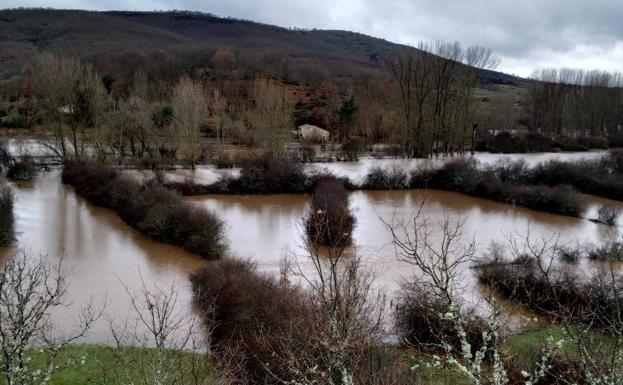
106	257
102	254
355	171
263	228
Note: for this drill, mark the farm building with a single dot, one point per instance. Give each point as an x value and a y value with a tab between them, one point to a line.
313	133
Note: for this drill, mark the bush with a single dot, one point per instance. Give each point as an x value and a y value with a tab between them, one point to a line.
308	153
616	140
222	160
419	321
352	147
151	208
610	251
558	199
330	221
7	219
22	170
252	312
506	142
458	175
381	179
569	255
594	142
5	155
608	215
564	293
270	175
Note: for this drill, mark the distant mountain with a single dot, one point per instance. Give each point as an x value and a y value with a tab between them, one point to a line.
24	32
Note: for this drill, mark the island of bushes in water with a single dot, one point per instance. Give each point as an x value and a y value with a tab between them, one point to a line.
552	186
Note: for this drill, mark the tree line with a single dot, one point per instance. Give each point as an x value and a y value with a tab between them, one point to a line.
426	101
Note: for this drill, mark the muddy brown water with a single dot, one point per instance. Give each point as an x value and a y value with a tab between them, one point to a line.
106	256
102	254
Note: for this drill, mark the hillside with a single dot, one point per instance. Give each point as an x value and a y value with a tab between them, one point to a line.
24	32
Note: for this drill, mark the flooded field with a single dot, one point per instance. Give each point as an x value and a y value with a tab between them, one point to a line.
106	256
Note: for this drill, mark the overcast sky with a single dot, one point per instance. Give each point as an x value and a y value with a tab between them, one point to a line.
525	34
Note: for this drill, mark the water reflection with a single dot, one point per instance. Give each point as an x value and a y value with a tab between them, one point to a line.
100	250
260	226
103	251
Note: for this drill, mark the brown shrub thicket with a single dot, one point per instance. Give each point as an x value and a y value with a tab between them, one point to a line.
330	221
151	208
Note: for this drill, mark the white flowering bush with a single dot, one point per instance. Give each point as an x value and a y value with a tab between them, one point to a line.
439	253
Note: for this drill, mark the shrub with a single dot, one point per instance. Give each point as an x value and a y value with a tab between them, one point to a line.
330	221
569	255
458	175
22	170
7	219
308	153
151	208
506	142
253	312
378	178
5	155
608	215
269	175
508	171
558	199
561	293
593	141
609	251
616	140
570	144
419	320
352	147
222	160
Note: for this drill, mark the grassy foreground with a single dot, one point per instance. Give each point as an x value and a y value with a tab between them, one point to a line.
97	364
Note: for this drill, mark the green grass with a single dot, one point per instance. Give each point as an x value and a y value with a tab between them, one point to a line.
96	364
523	349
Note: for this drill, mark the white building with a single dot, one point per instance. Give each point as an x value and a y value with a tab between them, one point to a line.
313	133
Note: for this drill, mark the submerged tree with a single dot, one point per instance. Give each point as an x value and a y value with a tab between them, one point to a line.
270	117
71	99
330	222
189	112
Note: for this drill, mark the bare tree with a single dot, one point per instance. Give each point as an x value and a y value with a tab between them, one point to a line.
410	69
594	310
71	99
189	112
270	117
347	324
177	350
440	253
31	287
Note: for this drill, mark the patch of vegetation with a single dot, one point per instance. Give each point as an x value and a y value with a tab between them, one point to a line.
100	364
378	178
151	208
608	215
420	322
22	170
553	292
330	221
505	183
7	219
243	305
